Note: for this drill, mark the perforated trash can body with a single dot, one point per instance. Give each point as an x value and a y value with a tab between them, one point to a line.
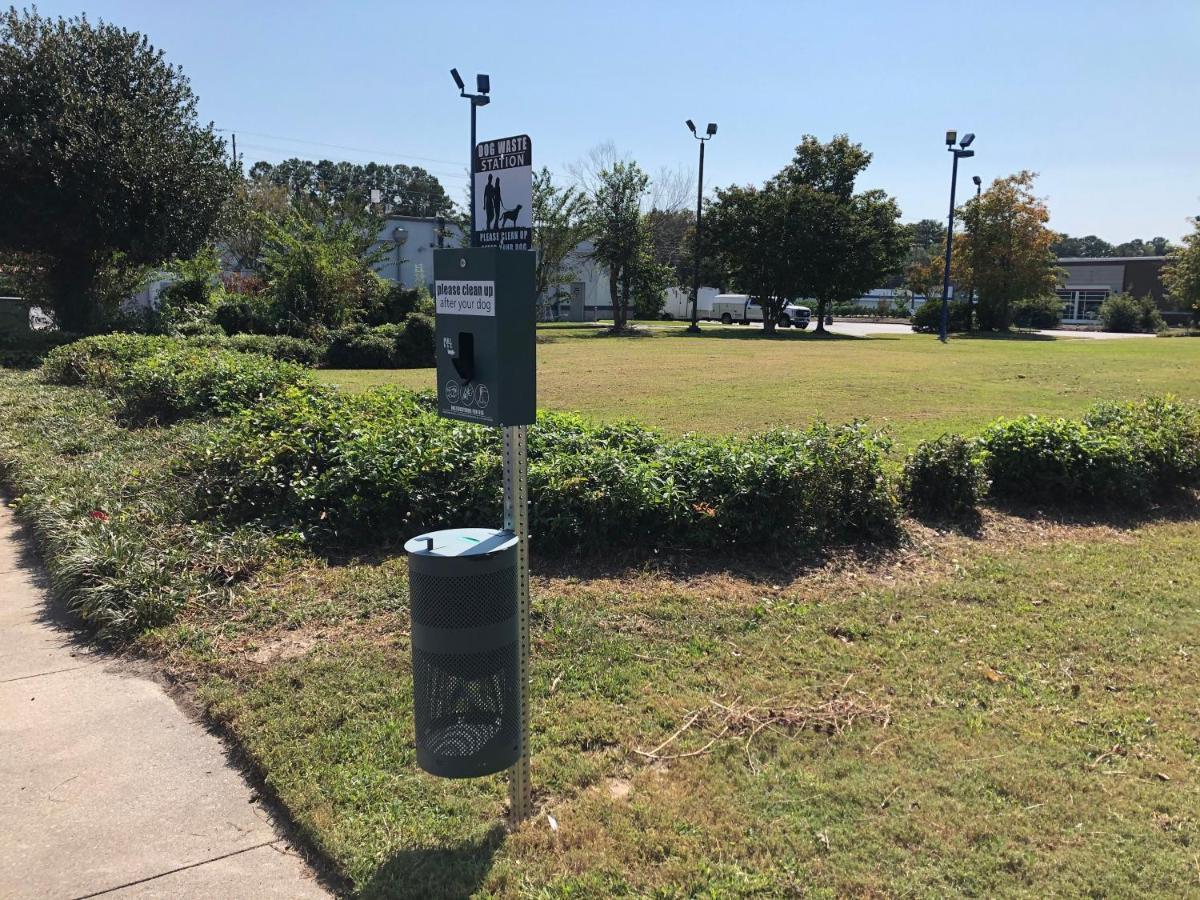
465	657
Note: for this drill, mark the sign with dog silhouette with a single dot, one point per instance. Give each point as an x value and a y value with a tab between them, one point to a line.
503	214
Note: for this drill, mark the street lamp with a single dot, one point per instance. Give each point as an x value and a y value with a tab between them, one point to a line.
978	187
483	86
709	132
959	152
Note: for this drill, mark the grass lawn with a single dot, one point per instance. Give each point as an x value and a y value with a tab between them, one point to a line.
731	379
1014	713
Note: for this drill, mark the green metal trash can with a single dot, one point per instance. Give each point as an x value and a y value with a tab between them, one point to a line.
465	654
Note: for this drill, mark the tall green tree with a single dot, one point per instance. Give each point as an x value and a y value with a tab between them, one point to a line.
756	234
925	235
103	162
850	242
405	190
619	234
1007	247
1181	274
560	224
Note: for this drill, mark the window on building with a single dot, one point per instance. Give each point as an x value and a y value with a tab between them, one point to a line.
1088	304
1068	304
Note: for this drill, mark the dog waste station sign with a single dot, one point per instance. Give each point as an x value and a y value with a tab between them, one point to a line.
503	173
469	586
485	335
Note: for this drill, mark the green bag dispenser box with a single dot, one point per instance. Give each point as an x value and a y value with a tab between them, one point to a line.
486	316
465	656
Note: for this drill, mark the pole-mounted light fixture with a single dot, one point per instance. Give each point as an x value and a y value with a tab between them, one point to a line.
703	139
959	152
483	86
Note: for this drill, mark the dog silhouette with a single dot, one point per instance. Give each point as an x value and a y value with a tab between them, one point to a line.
510	215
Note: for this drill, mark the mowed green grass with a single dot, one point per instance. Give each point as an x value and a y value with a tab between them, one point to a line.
1009	715
1020	722
732	379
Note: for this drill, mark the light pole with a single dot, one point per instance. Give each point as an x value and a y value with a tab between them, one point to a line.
712	129
959	152
978	187
483	86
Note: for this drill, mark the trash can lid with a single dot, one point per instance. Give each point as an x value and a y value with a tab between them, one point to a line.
461	542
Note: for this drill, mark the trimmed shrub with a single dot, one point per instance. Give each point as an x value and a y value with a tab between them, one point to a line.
178	382
282	347
199	328
167	378
405	346
943	478
928	317
100	360
381	464
415	345
1125	313
1164	431
1038	312
246	314
396	304
362	347
1059	461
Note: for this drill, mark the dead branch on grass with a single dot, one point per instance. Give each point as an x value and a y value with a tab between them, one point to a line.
833	716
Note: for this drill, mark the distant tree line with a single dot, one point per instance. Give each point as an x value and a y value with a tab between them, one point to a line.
1092	246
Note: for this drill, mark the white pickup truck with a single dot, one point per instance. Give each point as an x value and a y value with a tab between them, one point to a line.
730	308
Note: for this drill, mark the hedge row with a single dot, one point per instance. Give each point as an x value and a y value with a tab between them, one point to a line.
352	468
164	379
1118	454
345	468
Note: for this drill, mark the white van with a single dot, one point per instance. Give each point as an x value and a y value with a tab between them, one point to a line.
730	308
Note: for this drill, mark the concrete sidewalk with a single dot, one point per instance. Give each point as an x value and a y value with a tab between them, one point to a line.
106	786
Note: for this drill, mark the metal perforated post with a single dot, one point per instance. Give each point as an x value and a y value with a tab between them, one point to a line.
516	520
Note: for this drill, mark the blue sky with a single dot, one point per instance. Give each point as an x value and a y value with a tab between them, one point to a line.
1098	97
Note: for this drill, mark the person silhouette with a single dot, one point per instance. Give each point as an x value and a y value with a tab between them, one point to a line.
489	203
498	203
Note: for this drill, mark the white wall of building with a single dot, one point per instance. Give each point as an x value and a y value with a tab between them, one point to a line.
408	243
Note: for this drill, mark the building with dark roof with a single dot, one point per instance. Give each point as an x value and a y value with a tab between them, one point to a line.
1090	280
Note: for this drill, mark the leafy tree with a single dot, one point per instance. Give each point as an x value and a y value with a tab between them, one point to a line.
1156	246
406	190
848	243
650	280
756	233
1090	246
319	268
103	165
242	230
560	223
619	232
924	276
1007	246
925	235
1181	274
670	233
